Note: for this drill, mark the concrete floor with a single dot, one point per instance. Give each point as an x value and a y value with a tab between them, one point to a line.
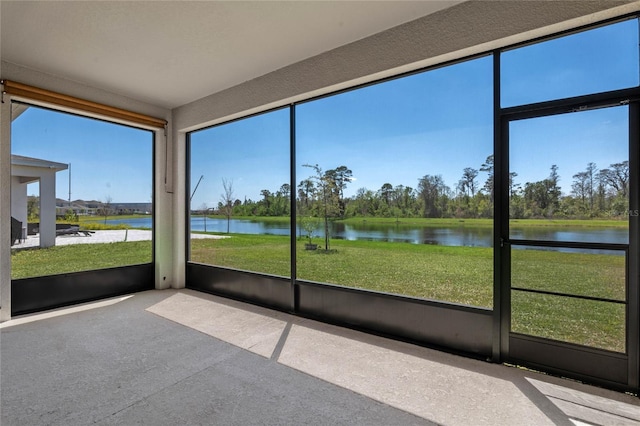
186	358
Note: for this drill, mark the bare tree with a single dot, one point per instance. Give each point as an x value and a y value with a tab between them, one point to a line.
227	200
105	209
204	209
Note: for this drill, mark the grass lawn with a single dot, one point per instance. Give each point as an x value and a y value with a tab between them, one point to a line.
96	218
78	257
586	322
453	274
96	223
457	274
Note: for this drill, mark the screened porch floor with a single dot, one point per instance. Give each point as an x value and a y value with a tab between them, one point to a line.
169	357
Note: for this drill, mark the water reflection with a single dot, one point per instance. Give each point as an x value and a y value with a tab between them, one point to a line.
467	236
584	235
447	236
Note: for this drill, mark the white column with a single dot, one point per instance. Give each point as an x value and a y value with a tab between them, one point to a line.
19	200
5	210
48	209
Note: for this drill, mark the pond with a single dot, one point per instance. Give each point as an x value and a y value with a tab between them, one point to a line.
470	236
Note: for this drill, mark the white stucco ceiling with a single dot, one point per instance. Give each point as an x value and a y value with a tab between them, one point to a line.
169	53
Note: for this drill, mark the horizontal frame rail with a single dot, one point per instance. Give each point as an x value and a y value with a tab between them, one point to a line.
569	244
573	296
574	104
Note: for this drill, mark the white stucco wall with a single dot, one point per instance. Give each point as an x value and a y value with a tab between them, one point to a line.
48	209
19	200
21	175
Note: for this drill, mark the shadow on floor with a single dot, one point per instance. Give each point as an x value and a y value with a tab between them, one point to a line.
185	357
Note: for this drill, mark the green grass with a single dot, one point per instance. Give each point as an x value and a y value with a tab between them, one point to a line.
97	226
585	322
453	274
96	218
595	275
96	223
78	257
264	253
457	274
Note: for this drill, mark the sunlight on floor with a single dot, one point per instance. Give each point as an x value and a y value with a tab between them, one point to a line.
24	319
586	409
248	330
417	380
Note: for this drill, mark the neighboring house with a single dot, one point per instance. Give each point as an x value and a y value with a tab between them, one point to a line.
132	208
26	170
92	208
78	207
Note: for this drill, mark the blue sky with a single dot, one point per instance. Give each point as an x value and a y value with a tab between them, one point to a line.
437	122
569	141
399	131
107	160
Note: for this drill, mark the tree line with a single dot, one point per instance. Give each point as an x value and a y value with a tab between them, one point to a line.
595	193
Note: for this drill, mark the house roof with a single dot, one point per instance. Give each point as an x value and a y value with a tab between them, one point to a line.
20	160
